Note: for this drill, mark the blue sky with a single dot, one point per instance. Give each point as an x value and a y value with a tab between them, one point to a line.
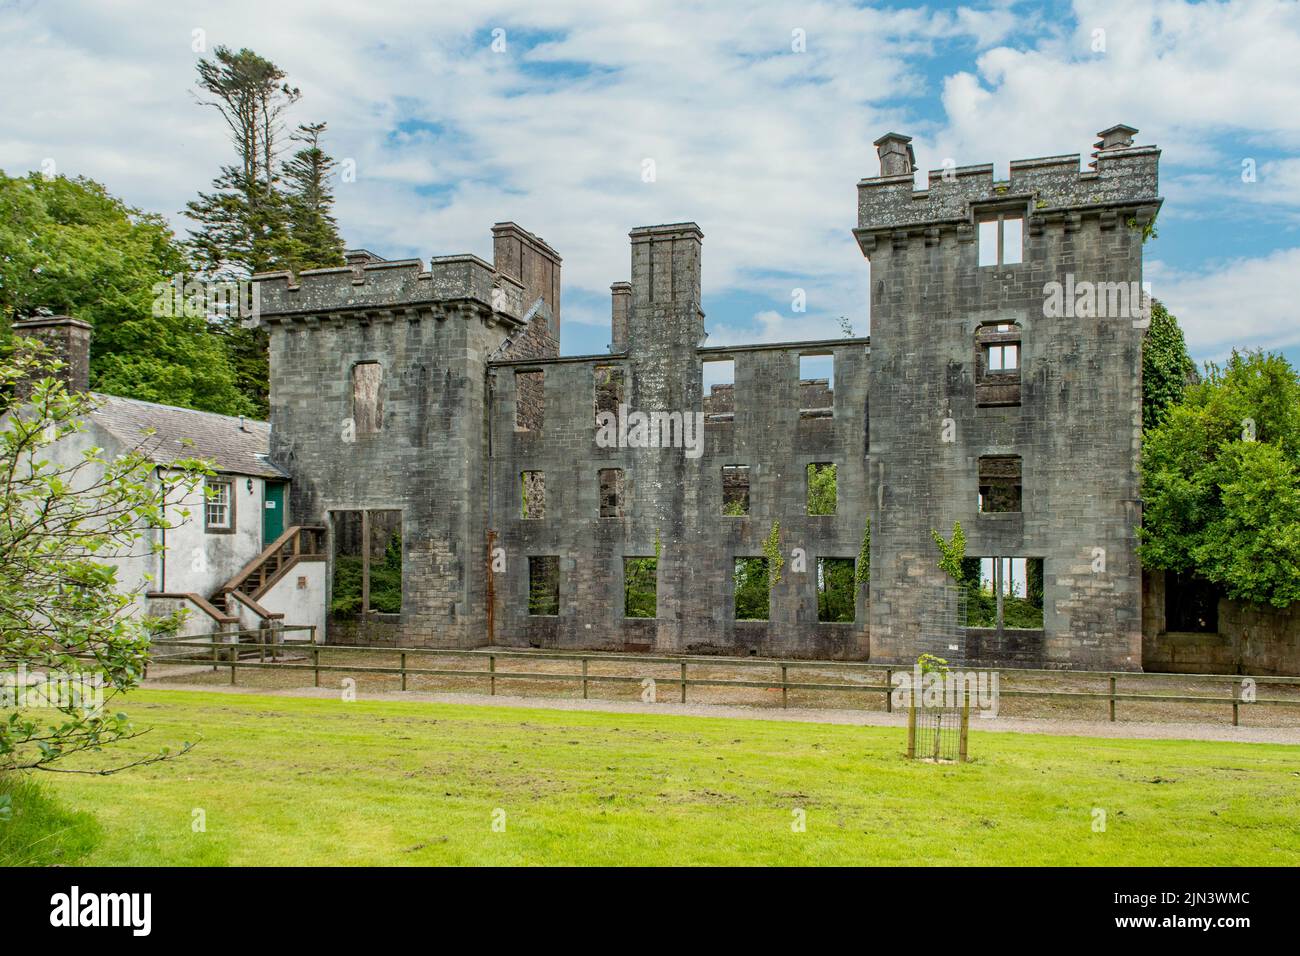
758	118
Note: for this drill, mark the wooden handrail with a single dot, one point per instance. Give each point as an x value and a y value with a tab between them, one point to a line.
289	536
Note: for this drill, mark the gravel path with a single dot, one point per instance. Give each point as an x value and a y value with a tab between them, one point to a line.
1125	730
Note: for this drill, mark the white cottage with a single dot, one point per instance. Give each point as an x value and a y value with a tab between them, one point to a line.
236	561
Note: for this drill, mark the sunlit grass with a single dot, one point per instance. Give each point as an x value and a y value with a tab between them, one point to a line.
279	780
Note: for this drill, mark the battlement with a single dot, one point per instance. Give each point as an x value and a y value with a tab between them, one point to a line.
369	283
1121	177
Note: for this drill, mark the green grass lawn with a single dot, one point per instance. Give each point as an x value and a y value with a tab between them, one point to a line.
307	781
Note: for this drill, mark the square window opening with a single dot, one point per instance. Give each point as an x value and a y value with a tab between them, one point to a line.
718	377
367	563
816	385
609	386
611	492
753	589
640	587
1000	489
822	488
735	490
532	495
1004	592
836	590
543	585
530	401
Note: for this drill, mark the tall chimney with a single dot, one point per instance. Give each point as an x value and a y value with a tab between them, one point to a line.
68	340
896	156
620	304
1117	137
519	254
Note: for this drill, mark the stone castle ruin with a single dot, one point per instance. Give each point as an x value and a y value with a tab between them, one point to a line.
496	492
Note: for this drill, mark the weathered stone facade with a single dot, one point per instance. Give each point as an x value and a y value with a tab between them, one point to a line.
474	395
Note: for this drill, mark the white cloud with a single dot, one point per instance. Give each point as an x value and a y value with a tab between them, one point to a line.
761	145
1235	303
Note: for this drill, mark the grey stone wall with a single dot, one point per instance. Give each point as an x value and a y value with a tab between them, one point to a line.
1251	638
1077	427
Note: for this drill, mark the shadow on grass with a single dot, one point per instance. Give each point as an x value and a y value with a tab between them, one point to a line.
36	830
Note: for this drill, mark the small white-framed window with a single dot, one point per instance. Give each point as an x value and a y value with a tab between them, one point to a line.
1001	240
1002	358
219	506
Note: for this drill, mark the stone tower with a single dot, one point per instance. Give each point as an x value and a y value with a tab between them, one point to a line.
1005	393
378	405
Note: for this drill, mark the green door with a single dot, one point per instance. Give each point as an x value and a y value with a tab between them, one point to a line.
273	512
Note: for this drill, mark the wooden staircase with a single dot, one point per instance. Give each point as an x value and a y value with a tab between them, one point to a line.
298	543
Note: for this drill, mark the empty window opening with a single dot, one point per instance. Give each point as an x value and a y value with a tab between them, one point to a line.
1191	604
816	386
719	384
532	494
752	589
735	490
608	383
219	505
1005	593
1001	240
530	401
640	587
367	397
836	590
1000	484
997	364
611	492
544	586
367	563
822	492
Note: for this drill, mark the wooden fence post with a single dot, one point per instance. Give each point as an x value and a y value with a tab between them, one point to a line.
492	669
1236	696
683	682
584	678
785	691
234	660
1112	699
889	683
965	723
403	666
911	727
315	663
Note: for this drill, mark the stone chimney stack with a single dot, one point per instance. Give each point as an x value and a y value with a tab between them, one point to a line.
1117	137
526	258
896	156
68	340
621	304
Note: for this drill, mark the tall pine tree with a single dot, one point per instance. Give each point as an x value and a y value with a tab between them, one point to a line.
261	215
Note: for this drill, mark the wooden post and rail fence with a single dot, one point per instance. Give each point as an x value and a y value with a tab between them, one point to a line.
248	650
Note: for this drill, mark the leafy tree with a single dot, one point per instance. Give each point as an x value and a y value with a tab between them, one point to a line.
835	593
1167	369
821	489
1221	481
69	245
63	530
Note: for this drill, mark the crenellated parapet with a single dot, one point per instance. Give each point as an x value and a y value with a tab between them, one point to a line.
369	284
1122	181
